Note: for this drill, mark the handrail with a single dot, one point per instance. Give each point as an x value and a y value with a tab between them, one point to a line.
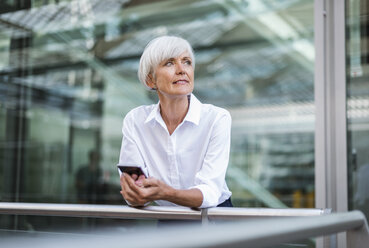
99	211
239	213
150	212
251	233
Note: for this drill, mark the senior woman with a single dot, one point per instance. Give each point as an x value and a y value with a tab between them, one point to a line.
183	143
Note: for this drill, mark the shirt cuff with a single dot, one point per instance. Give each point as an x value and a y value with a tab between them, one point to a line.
209	197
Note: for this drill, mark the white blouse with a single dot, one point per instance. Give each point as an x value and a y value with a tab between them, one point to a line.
195	155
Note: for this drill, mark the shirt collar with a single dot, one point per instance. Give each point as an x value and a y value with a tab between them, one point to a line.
193	114
155	112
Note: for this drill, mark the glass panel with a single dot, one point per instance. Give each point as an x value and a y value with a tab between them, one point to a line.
358	103
68	77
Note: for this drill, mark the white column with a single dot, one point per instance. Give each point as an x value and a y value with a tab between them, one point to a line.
330	103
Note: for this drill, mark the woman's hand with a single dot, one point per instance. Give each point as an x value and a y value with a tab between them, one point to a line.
130	189
140	190
138	179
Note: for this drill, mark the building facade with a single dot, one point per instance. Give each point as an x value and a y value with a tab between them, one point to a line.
293	74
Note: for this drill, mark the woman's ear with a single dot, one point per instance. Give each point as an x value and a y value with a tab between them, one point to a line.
150	82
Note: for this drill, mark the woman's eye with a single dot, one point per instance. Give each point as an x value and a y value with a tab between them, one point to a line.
188	62
168	63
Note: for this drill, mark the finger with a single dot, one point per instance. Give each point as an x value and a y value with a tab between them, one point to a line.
139	180
156	189
124	186
128	192
150	182
127	179
134	177
129	195
123	176
123	181
136	189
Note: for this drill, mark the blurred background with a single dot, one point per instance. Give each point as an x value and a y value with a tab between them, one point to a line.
68	72
68	76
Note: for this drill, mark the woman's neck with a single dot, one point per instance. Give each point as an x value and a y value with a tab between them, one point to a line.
173	111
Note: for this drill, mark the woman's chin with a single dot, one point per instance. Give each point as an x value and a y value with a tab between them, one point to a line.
177	92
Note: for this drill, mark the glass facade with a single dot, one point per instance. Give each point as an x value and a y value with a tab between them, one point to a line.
68	76
358	103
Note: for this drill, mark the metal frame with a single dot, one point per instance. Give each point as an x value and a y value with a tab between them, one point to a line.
340	104
330	100
251	233
151	212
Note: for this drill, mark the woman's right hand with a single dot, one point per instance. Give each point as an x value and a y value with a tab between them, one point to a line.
132	189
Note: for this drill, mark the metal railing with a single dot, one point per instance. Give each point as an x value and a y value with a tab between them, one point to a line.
262	232
151	212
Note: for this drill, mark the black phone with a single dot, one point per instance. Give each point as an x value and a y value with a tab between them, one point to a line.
132	169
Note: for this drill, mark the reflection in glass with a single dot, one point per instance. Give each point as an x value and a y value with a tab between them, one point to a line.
358	104
68	76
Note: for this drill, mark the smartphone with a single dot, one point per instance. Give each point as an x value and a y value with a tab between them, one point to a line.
132	169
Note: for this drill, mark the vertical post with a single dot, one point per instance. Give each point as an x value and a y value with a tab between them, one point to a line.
341	112
320	108
357	238
330	102
16	120
204	217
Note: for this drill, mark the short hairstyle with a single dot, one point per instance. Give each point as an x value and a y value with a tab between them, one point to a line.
159	49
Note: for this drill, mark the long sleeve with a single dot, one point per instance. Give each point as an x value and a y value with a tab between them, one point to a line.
129	152
210	179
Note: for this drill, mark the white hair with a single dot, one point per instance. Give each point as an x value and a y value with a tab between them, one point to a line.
160	49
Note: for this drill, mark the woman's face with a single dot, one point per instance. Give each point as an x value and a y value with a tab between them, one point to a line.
174	76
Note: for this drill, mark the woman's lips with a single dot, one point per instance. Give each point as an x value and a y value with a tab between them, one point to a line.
181	82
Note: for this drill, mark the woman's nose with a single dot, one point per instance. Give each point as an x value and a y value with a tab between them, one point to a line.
180	69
